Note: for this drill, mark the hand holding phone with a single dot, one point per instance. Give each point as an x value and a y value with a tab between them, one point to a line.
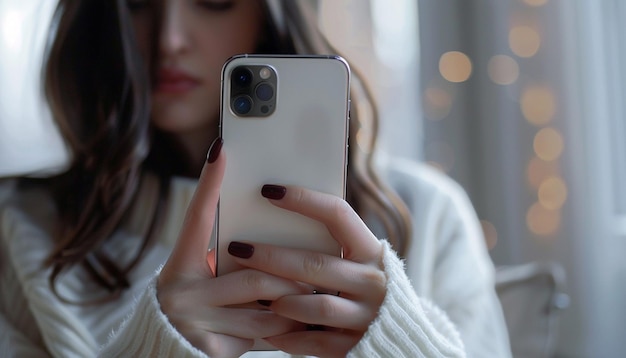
219	315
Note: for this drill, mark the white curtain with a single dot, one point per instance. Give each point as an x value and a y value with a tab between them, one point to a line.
535	132
380	39
593	33
29	141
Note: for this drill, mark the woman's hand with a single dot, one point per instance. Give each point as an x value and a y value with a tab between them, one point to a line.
337	322
201	306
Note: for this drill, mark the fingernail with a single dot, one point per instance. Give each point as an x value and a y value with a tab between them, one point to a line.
274	192
214	151
241	250
265	303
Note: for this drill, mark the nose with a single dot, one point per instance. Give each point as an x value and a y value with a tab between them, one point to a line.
173	38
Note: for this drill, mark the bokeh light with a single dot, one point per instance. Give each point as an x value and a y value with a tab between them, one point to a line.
437	103
364	133
491	234
442	154
363	138
455	66
438	166
538	105
539	170
503	70
536	3
552	193
524	41
542	221
548	144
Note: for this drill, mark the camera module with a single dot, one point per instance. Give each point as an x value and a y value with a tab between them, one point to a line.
264	91
242	105
242	77
253	90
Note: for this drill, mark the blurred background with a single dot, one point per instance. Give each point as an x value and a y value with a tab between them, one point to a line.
520	101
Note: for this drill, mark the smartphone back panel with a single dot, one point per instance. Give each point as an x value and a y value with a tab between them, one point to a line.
301	140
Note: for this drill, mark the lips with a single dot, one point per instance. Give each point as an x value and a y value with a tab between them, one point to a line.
174	81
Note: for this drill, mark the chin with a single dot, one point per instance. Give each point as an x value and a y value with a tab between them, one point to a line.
185	115
178	125
181	119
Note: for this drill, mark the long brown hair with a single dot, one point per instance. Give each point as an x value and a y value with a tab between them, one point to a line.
99	92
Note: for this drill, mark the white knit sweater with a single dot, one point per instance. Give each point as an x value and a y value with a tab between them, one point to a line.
442	304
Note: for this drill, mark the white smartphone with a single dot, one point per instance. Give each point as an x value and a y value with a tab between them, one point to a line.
284	120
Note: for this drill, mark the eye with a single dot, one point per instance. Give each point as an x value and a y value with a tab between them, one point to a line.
216	5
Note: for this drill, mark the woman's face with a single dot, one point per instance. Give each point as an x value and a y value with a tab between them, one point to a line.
195	38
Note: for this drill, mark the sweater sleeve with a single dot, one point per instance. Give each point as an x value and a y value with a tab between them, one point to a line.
147	332
447	258
407	326
463	279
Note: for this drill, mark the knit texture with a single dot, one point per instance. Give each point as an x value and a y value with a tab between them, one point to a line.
447	264
158	338
407	326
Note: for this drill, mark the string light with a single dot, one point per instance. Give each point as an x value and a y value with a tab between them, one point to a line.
552	193
442	153
539	170
455	66
542	221
536	3
503	70
438	166
524	41
437	103
490	232
548	144
362	140
538	105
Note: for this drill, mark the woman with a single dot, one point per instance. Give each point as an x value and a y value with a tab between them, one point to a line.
134	87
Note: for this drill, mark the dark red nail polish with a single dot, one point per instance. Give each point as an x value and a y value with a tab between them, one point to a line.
265	303
214	151
274	192
241	250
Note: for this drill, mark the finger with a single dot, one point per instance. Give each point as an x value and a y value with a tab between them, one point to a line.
325	310
249	286
317	269
318	344
237	288
343	223
245	323
192	245
218	345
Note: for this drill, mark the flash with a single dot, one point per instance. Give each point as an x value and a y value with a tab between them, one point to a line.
265	73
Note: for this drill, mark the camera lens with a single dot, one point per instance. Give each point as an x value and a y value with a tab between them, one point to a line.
264	92
242	105
242	77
